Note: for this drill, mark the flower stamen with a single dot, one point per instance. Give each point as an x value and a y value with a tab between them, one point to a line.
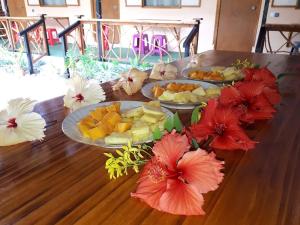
79	97
11	123
220	129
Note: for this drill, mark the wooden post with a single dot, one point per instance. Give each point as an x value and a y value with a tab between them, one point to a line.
10	35
99	30
28	53
45	34
81	39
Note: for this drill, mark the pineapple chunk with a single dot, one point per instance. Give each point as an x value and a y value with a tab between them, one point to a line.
153	103
151	118
148	109
140	132
118	138
167	96
137	112
213	91
199	91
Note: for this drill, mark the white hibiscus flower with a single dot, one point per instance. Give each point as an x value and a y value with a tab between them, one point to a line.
19	124
83	92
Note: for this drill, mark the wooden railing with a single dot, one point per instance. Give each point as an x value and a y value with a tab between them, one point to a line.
113	38
28	35
287	31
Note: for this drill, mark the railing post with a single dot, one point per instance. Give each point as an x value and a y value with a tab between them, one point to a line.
10	35
99	29
261	40
28	53
81	39
45	34
194	33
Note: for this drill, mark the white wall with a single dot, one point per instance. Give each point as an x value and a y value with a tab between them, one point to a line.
286	16
70	11
207	11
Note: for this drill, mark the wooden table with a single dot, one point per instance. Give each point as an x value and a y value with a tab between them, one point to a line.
59	181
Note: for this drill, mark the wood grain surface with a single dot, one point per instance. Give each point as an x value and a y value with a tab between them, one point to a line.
59	181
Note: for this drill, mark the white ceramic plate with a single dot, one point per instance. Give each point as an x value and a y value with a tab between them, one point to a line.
185	73
70	129
147	92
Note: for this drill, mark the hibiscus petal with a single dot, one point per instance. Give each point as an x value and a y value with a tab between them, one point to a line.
19	106
201	170
233	139
229	96
181	199
171	148
258	109
272	95
150	189
250	89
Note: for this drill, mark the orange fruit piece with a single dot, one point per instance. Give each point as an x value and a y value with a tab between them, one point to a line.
83	129
115	107
97	132
98	113
88	121
122	127
158	91
112	119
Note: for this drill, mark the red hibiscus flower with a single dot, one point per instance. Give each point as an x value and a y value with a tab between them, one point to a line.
267	78
222	125
175	178
247	101
262	75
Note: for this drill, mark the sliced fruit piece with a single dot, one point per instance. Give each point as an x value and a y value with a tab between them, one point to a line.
98	113
153	103
199	91
83	129
115	107
112	119
118	138
213	91
122	127
157	91
88	121
167	96
148	109
151	118
137	112
97	132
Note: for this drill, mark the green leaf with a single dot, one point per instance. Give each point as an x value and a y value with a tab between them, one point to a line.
195	115
195	144
256	66
169	124
177	123
157	134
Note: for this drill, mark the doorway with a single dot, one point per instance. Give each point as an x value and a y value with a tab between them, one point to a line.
236	24
110	9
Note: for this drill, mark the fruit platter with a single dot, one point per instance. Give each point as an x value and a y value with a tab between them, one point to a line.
216	74
181	92
113	124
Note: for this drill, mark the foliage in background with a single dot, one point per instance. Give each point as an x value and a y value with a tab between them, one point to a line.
88	66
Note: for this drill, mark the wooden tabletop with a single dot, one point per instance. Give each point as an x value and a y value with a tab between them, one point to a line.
59	181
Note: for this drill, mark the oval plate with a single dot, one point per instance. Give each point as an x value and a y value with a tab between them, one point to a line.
70	129
147	91
185	73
